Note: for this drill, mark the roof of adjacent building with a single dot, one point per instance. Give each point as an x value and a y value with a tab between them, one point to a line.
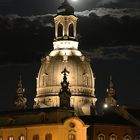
35	116
135	112
113	116
108	118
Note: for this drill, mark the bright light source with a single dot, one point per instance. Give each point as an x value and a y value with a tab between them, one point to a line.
105	105
74	0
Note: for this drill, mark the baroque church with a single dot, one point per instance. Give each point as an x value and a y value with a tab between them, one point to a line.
65	103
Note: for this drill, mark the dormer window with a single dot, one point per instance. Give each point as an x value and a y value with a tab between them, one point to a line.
11	138
113	137
101	136
1	138
22	138
36	137
127	137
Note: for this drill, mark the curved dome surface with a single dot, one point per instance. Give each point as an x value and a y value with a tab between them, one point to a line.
80	74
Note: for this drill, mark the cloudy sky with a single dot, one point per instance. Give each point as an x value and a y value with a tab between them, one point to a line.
34	7
108	32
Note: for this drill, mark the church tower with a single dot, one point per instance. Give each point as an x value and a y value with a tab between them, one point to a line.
110	100
66	55
20	101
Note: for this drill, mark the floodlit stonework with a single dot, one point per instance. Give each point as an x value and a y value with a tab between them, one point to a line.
66	55
43	124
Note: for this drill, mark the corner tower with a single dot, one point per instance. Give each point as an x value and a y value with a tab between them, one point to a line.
66	55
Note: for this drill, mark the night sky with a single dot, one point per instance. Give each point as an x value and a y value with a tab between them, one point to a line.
108	31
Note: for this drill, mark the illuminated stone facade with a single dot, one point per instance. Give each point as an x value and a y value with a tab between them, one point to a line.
112	132
66	55
40	124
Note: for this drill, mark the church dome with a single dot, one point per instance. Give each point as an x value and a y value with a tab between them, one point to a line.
80	74
65	9
66	56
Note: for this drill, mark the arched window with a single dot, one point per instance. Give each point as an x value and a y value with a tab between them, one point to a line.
127	137
36	137
71	30
48	137
11	138
1	138
113	137
101	136
60	30
22	137
71	137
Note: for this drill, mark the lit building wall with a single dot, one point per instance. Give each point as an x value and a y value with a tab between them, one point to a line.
105	131
71	129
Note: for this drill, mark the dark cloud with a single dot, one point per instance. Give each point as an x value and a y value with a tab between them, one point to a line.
28	7
114	53
36	7
109	28
110	37
117	13
119	3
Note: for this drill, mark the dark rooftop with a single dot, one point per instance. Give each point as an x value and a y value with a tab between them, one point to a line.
35	116
108	118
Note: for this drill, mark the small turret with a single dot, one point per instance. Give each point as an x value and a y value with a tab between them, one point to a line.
20	101
65	93
110	100
111	90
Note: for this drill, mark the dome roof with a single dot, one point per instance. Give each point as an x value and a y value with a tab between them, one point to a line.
66	56
65	9
80	74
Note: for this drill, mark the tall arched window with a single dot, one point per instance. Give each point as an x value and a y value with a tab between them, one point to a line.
101	136
126	137
113	137
1	138
22	137
11	138
48	136
71	30
36	137
60	30
71	137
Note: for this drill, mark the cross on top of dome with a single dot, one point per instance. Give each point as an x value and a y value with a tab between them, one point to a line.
65	83
65	93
